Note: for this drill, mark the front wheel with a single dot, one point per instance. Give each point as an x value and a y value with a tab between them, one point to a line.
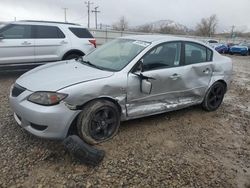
214	96
98	122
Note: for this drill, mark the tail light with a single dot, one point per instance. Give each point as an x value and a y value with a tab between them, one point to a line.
93	41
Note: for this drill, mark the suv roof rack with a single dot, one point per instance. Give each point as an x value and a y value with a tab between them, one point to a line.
40	21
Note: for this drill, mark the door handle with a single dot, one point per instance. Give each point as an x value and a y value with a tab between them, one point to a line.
175	76
206	71
26	43
63	42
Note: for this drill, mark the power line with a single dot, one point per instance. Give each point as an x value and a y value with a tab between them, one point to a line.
88	6
96	11
65	14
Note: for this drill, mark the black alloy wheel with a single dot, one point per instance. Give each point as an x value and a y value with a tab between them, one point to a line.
214	96
98	122
103	123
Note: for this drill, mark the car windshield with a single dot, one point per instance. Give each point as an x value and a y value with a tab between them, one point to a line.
115	55
2	25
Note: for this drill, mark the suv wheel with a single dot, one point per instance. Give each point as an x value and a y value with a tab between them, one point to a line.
98	122
214	97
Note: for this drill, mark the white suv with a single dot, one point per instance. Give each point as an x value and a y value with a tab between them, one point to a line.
38	42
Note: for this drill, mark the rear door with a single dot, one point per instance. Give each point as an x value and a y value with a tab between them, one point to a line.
17	44
198	60
50	43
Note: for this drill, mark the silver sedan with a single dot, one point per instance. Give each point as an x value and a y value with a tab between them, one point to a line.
127	78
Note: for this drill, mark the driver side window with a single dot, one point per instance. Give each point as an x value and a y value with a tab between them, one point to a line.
163	56
17	32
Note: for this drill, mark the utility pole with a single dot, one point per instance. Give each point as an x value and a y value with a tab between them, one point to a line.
88	6
65	14
96	11
232	31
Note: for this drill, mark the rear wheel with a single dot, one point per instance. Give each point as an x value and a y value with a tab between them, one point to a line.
98	122
214	96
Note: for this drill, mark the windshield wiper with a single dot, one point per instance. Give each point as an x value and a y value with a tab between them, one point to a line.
89	63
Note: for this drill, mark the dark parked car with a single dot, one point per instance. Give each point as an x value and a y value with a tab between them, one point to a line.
221	48
246	44
239	49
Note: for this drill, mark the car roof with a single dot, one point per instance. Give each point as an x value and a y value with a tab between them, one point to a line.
157	38
37	22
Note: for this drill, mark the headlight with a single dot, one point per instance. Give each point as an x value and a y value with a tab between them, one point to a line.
46	98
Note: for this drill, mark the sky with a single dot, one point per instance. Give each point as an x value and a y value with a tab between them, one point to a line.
137	12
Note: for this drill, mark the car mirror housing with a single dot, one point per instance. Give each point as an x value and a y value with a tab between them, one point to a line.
146	86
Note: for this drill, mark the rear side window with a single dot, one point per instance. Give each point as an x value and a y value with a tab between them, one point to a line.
81	32
48	32
16	31
196	53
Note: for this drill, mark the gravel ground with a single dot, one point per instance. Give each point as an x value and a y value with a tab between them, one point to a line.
185	148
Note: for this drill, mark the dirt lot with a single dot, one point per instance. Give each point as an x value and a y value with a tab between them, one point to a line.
186	148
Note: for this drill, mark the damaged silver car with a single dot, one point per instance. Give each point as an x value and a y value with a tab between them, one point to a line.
127	78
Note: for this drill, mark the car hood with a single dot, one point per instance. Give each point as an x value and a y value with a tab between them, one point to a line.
55	76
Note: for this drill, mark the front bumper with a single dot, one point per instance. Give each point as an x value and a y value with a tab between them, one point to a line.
51	122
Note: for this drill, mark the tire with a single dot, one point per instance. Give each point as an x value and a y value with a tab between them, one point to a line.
98	122
214	97
71	56
82	151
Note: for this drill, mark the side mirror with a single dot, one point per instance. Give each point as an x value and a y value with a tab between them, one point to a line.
146	86
1	36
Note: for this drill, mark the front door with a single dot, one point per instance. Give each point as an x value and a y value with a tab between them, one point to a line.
16	45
